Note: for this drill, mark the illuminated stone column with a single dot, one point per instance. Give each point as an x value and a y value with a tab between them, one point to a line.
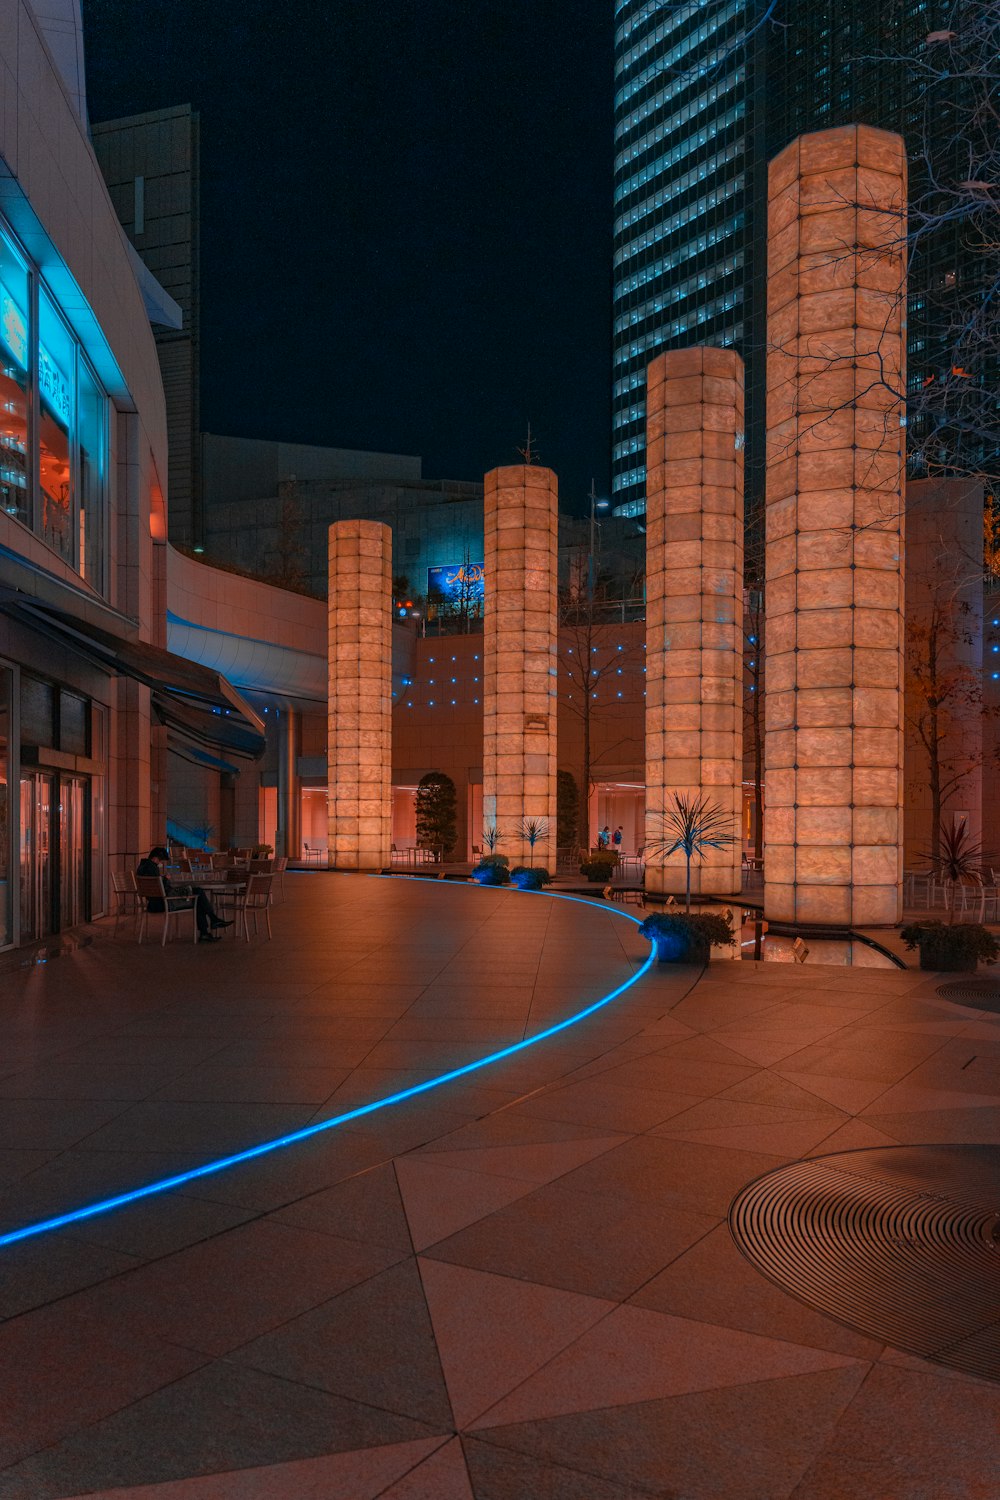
519	658
694	603
359	753
833	829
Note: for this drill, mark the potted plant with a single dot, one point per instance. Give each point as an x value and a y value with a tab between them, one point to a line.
599	868
529	877
686	937
952	947
694	824
492	870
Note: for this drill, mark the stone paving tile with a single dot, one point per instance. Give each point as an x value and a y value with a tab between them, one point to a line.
749	1442
211	1127
217	1295
713	1283
580	1262
683	1174
635	1355
63	1369
362	1475
886	1427
502	1474
441	1200
603	1246
366	1207
594	1101
32	1280
494	1332
443	1476
373	1343
219	1418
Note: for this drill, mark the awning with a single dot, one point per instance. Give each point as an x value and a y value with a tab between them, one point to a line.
199	704
178	745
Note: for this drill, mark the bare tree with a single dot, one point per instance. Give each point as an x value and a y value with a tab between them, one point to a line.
754	657
591	655
943	694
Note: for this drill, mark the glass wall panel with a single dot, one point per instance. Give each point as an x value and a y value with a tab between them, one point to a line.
38	712
74	721
6	911
15	345
56	362
91	427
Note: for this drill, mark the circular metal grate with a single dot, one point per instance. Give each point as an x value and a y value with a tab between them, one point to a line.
983	994
900	1243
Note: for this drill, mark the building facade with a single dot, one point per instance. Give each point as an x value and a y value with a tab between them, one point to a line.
151	163
90	699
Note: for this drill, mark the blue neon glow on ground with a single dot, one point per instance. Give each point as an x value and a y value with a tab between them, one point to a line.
105	1205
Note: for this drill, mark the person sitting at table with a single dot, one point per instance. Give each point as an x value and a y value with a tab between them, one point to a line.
205	913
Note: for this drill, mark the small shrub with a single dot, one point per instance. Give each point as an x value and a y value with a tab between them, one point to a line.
599	868
529	877
955	948
492	870
687	938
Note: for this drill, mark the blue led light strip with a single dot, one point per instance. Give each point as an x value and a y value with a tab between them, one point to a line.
105	1205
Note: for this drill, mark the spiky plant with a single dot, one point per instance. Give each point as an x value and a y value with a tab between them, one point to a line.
958	860
492	836
693	824
532	830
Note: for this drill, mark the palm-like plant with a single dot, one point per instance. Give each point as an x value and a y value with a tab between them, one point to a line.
695	825
531	830
491	837
957	861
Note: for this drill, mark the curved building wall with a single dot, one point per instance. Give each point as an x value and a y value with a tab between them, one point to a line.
83	478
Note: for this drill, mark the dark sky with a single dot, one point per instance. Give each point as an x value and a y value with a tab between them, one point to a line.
406	217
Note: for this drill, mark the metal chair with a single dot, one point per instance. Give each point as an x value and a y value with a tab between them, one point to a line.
150	888
256	898
126	897
279	866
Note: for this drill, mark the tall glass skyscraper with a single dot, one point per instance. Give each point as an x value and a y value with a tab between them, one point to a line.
707	92
689	199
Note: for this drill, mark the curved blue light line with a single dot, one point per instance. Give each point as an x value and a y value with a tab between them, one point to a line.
105	1205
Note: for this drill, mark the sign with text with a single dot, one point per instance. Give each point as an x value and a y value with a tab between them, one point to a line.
460	586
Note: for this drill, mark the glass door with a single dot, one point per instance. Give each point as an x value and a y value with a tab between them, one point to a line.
73	848
37	855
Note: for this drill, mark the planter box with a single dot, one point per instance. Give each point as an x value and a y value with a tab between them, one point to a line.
670	952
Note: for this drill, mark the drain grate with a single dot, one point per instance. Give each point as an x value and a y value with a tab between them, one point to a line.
983	994
900	1243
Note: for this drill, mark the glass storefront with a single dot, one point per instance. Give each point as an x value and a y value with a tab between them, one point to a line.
55	394
15	357
6	913
53	423
59	812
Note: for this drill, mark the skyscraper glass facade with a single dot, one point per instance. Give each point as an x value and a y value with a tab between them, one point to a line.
686	153
706	94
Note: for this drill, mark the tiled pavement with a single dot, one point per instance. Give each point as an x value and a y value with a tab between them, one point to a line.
520	1286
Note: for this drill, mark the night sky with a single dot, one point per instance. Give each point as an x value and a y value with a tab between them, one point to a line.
406	217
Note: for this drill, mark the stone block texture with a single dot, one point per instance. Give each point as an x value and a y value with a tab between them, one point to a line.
519	659
694	603
359	753
834	596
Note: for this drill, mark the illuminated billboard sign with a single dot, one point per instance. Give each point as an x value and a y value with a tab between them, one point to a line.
459	585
